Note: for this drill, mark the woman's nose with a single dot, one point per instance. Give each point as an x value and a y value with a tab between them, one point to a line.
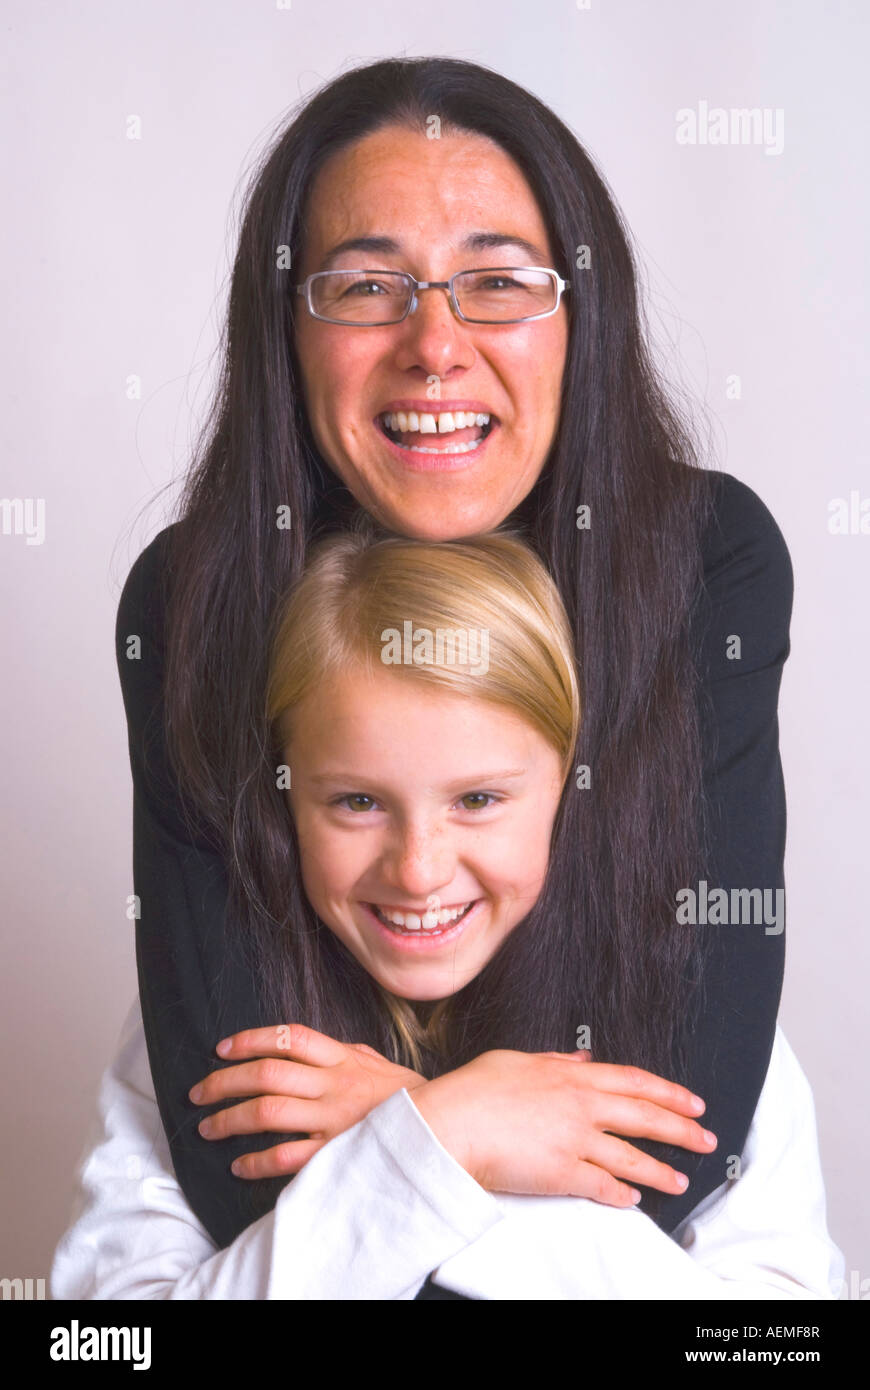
433	334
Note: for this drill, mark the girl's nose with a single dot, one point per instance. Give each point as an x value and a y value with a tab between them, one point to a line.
419	863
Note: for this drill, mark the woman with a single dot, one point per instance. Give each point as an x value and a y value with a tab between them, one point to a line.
433	167
423	780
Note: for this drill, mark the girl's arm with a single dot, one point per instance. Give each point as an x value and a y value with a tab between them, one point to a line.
370	1216
749	588
763	1235
384	1203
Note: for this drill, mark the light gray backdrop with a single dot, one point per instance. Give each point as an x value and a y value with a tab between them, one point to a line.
116	252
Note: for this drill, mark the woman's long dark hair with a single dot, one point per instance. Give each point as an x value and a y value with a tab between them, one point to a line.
601	948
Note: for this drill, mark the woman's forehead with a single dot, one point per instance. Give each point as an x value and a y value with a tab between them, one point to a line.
397	184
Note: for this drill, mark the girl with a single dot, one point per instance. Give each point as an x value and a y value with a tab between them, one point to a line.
424	709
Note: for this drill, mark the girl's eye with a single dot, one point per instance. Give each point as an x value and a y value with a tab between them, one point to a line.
356	801
481	800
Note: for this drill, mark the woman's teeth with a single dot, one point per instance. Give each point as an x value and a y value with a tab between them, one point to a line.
427	921
411	422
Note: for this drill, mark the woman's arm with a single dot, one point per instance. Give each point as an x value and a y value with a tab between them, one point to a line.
748	594
195	985
762	1235
371	1214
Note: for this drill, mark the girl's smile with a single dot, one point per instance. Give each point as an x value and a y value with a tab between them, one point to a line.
415	933
424	820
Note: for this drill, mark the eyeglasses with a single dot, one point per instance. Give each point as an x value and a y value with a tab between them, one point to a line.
372	298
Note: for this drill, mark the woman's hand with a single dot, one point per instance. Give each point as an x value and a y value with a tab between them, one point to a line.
302	1082
547	1123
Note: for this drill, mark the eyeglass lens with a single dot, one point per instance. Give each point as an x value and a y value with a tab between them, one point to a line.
491	296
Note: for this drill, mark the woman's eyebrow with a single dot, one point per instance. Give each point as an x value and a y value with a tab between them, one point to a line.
475	241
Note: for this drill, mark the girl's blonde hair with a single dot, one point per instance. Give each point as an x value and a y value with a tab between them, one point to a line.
351	608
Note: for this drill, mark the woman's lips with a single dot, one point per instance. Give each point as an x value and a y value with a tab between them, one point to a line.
437	462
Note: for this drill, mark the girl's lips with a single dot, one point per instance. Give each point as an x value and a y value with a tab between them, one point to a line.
422	940
436	463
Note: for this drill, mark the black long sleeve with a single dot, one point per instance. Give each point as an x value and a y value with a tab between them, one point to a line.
195	987
748	593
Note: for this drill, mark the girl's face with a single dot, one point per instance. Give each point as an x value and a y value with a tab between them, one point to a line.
407	799
430	207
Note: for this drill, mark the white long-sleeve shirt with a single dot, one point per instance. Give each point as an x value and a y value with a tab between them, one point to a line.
383	1204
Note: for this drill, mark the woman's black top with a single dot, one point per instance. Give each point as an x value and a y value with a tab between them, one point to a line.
196	987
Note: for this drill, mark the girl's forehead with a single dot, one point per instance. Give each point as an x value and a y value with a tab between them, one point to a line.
391	720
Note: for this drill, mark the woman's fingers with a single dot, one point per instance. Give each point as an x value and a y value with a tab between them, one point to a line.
266	1075
277	1161
623	1160
644	1085
601	1186
293	1040
263	1115
643	1119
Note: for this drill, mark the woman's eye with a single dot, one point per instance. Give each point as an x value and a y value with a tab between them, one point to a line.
365	285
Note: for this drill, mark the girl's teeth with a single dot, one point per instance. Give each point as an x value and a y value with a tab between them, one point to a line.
429	921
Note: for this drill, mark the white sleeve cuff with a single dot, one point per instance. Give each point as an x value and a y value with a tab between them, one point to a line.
368	1217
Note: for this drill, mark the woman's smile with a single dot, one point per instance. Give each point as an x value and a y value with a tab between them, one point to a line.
429	476
442	437
430	435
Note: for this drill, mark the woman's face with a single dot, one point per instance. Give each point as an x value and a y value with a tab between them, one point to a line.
429	198
407	799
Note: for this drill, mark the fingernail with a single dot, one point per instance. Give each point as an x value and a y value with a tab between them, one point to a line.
635	1196
697	1104
224	1048
236	1167
682	1181
195	1093
205	1128
710	1138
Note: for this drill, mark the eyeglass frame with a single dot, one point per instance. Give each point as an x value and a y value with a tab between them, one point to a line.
562	287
